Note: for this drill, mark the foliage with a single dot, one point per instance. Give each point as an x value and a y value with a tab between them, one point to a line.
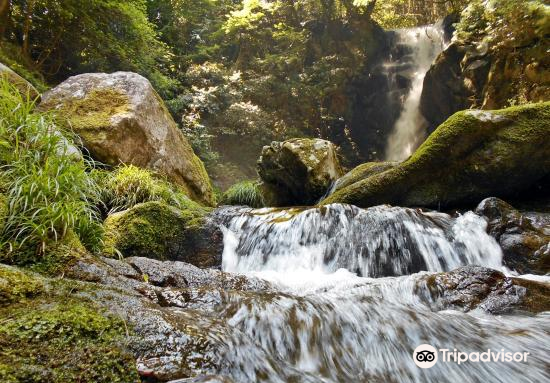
410	13
10	55
129	185
48	189
62	38
507	23
244	193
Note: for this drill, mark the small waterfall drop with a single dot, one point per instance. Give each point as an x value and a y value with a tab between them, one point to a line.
375	242
424	44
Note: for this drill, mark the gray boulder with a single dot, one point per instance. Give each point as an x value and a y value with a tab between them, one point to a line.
121	119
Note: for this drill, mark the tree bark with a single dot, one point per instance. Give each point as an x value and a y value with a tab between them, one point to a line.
4	13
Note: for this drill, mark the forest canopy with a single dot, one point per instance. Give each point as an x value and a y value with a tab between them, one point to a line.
227	69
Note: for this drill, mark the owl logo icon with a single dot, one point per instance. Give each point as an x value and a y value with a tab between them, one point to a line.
425	356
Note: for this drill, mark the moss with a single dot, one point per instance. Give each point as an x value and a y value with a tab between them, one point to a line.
63	341
151	229
10	55
471	156
16	286
363	171
56	258
96	109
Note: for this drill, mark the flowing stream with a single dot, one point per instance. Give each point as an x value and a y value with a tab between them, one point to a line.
424	44
349	301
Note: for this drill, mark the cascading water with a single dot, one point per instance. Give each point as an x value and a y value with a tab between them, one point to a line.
344	306
424	44
375	242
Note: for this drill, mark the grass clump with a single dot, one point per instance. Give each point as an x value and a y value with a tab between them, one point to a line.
44	178
129	185
244	193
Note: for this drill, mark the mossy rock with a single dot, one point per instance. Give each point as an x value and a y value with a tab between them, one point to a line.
361	172
471	156
298	171
157	230
122	120
63	341
16	285
25	88
55	258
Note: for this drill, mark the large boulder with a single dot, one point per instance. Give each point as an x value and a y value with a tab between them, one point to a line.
298	171
160	231
121	119
473	155
24	87
523	236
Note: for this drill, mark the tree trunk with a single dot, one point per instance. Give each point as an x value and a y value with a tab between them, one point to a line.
4	13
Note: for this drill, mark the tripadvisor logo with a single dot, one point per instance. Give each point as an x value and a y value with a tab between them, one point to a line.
425	356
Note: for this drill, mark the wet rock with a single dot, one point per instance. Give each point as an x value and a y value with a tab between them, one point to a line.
298	171
473	155
121	119
175	334
523	237
160	231
24	87
471	287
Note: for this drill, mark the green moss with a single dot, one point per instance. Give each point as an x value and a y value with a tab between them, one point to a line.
56	258
363	171
95	110
58	342
471	156
16	286
151	229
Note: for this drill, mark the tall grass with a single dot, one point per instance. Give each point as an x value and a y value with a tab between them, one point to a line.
129	185
48	189
244	193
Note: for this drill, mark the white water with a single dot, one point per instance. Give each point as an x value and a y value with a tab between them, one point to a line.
374	242
323	322
410	129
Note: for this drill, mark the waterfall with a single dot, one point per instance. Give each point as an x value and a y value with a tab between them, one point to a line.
375	242
424	44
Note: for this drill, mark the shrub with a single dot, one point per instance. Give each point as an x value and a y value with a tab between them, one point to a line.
44	176
129	185
244	193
